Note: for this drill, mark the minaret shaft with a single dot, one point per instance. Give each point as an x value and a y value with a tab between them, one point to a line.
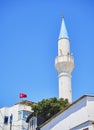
64	64
65	86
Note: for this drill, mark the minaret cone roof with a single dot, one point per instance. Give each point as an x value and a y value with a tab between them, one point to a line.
63	32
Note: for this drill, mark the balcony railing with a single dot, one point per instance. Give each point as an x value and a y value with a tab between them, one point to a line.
64	58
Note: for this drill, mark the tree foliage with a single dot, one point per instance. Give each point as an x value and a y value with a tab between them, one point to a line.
49	107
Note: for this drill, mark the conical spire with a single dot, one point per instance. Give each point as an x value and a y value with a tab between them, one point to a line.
63	32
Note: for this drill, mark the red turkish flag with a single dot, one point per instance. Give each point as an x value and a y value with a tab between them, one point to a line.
22	95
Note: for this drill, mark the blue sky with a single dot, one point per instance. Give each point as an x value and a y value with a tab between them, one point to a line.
29	31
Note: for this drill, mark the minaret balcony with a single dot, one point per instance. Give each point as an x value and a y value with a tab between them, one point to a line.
64	63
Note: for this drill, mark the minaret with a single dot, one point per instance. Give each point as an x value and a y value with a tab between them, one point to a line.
64	64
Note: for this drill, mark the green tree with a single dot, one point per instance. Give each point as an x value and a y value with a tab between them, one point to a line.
49	107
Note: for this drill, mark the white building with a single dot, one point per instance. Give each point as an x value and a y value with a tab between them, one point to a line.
78	116
14	118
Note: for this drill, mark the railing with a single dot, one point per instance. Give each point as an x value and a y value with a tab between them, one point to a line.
64	58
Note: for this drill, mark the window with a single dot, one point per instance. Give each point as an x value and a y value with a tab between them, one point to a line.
22	115
33	123
26	114
11	118
6	120
86	129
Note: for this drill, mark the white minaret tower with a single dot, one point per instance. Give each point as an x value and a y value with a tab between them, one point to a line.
64	64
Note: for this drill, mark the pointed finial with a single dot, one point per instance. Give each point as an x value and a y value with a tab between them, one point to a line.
63	30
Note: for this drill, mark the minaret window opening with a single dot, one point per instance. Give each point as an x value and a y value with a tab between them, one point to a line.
60	51
63	54
68	53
